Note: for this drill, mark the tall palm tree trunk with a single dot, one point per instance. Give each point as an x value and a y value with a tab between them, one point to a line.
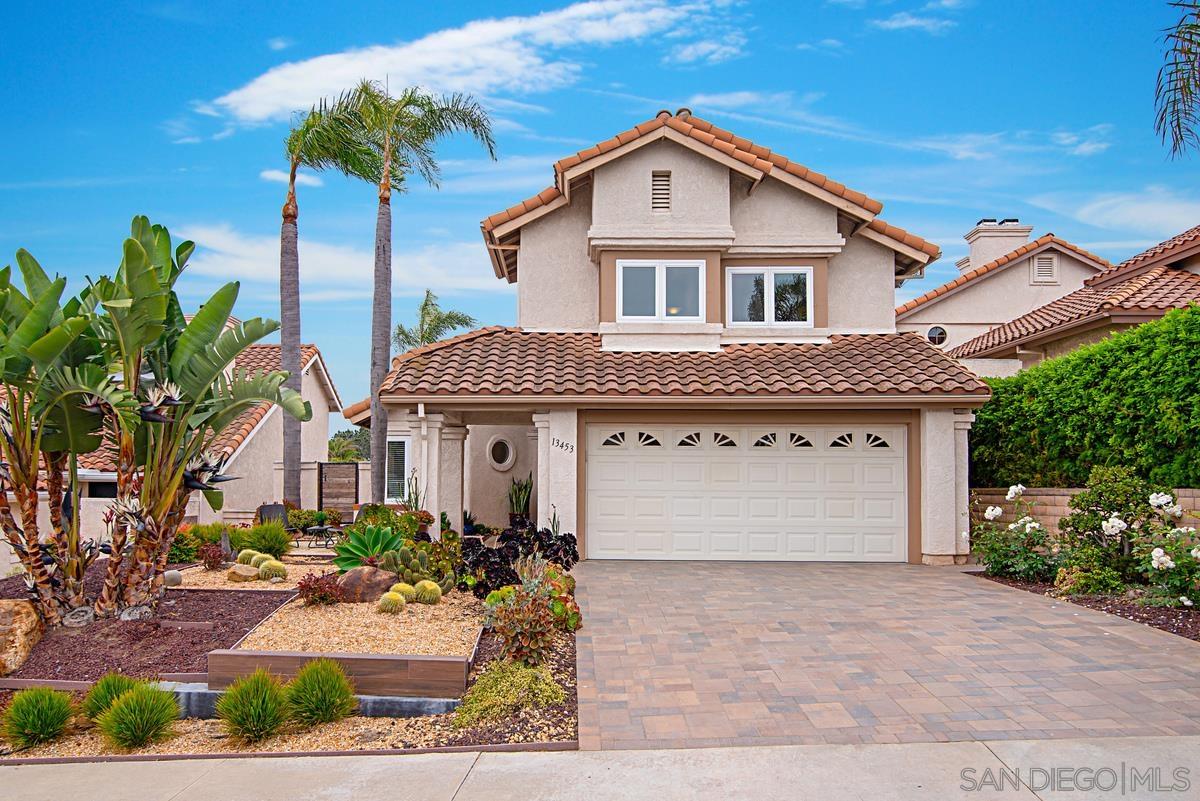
381	330
289	334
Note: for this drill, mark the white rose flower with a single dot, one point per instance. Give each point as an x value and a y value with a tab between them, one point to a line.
1161	500
993	512
1160	561
1032	526
1113	526
1174	510
1014	492
1186	601
1196	553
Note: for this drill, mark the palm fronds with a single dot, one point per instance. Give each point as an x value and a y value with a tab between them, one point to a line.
1177	95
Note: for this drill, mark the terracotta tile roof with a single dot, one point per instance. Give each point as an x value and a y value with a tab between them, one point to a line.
745	151
502	361
900	235
995	264
255	359
1157	290
355	409
1162	251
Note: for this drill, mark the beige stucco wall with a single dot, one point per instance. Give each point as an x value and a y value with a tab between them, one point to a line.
993	300
941	507
1067	344
559	284
861	288
992	368
486	491
621	194
775	214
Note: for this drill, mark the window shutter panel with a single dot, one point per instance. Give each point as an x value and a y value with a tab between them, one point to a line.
396	468
660	191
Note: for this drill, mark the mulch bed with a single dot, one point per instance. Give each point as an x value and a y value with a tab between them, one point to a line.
93	580
1176	620
143	648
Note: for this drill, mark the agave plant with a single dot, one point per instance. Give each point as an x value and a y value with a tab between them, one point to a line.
366	546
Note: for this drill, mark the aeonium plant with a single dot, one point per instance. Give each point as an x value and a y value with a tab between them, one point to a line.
1168	554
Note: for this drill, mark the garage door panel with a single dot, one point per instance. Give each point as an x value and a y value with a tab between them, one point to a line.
747	493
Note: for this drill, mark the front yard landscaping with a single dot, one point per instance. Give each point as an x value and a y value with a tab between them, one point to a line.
392	609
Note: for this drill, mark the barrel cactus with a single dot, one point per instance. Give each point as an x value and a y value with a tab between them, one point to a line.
427	592
391	603
407	591
259	560
246	555
413	565
272	569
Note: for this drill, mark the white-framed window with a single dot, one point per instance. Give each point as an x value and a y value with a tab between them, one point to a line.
769	296
661	290
396	468
1044	269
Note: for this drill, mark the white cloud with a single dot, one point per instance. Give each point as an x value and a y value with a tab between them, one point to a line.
1157	210
740	99
707	51
508	55
281	177
526	174
331	272
279	43
824	46
1087	142
903	20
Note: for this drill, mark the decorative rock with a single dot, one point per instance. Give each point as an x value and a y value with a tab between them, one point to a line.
20	630
365	584
275	580
172	578
226	548
139	612
79	617
242	573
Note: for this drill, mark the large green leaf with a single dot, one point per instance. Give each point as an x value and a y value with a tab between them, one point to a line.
36	280
38	318
204	329
46	350
200	372
243	391
215	498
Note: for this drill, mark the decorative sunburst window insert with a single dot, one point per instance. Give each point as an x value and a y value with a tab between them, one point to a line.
876	441
648	440
614	440
766	440
798	440
723	440
689	440
845	440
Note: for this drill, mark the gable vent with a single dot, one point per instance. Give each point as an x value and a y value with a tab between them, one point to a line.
660	190
1045	269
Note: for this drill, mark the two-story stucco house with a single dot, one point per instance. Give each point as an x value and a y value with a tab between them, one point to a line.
706	366
1004	276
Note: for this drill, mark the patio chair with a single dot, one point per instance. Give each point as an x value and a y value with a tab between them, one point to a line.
277	513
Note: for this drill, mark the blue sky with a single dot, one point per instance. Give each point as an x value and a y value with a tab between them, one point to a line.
947	111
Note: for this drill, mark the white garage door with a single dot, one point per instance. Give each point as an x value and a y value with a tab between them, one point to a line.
830	493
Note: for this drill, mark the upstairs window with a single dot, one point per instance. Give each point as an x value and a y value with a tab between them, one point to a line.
660	290
1044	269
769	296
660	190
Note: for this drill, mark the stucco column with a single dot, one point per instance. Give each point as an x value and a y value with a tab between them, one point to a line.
963	418
562	469
541	434
429	473
450	481
939	487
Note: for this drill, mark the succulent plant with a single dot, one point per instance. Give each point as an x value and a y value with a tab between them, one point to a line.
413	565
258	560
272	569
391	603
246	555
427	592
406	590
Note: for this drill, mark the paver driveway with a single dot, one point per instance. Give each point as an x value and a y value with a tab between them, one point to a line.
689	654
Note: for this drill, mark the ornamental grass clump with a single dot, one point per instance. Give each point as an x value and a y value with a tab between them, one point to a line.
320	693
108	688
140	716
37	715
254	707
504	689
269	538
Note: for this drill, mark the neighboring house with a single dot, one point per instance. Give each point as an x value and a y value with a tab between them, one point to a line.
706	361
253	444
1141	288
1003	277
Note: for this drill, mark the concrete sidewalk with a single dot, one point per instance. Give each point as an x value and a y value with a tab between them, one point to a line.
787	773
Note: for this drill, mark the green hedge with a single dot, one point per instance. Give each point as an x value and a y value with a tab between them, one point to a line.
1132	399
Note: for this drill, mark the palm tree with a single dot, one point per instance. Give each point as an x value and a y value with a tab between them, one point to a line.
343	450
1177	95
433	324
404	129
328	136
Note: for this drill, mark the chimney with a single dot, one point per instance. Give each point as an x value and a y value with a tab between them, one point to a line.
991	239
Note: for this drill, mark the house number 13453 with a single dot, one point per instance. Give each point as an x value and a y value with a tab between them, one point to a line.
562	445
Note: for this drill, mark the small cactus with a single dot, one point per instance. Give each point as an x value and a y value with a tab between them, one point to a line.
244	556
391	603
427	592
259	560
272	569
406	590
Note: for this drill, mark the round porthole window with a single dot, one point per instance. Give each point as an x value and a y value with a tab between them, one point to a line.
937	335
501	453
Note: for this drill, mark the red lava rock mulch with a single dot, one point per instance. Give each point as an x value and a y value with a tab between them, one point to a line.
143	648
1176	620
